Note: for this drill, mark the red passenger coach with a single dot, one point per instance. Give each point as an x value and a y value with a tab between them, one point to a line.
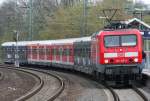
62	52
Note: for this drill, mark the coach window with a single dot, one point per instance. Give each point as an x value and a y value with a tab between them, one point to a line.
40	51
48	51
80	52
86	52
89	51
83	53
63	52
29	51
53	51
60	51
34	51
43	51
71	52
76	52
67	52
57	51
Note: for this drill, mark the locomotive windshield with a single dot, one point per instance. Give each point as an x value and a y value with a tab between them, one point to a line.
120	40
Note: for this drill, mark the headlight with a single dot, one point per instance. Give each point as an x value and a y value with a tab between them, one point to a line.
106	61
136	60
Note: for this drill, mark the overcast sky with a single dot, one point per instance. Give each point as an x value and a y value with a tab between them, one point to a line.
145	1
1	1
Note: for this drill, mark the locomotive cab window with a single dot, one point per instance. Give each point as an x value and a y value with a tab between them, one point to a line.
111	41
120	40
128	40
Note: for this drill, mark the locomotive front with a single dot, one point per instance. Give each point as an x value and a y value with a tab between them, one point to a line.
121	54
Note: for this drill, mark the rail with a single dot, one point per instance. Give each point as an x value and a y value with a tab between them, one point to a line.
140	93
32	91
30	94
115	95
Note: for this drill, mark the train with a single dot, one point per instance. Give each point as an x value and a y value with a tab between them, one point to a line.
107	55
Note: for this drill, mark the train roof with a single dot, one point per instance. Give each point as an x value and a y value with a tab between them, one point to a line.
47	42
63	41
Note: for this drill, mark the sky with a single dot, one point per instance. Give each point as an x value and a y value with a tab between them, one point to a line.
145	1
1	1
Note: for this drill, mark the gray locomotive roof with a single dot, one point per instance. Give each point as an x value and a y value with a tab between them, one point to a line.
60	41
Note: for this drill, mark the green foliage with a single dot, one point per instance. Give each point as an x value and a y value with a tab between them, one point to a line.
67	22
52	20
146	19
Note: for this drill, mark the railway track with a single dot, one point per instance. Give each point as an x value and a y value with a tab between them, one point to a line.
78	88
115	95
140	93
124	94
128	94
16	83
113	98
43	91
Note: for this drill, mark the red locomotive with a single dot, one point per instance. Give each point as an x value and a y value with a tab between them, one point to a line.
117	54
